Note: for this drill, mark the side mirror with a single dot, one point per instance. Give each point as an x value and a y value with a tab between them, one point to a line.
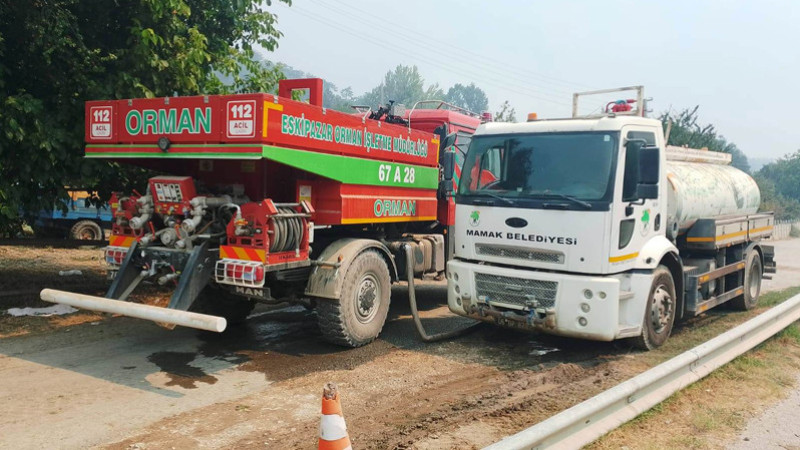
449	141
649	164
448	165
649	171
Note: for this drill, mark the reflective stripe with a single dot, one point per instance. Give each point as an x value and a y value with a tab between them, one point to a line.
332	427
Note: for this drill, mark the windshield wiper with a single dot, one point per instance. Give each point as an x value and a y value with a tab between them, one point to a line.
585	205
502	199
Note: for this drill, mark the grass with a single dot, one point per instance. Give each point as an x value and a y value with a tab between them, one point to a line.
712	412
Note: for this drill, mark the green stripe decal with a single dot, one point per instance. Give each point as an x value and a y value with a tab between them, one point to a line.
351	170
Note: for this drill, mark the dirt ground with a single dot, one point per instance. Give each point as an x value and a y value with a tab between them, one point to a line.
122	383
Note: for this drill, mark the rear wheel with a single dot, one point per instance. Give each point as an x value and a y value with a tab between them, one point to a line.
753	271
659	316
215	301
86	230
358	316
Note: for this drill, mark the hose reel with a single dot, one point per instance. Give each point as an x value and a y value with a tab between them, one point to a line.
287	230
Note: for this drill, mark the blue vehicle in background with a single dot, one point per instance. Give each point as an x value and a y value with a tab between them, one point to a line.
82	220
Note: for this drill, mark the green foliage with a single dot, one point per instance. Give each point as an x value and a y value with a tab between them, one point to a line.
784	207
332	97
686	131
785	174
506	113
469	97
56	55
780	186
403	85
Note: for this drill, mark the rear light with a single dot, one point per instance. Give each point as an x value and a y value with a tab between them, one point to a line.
240	273
245	272
115	255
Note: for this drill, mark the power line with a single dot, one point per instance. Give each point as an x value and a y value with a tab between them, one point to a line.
503	84
526	74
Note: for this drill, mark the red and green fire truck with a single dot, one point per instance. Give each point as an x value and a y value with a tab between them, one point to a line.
268	199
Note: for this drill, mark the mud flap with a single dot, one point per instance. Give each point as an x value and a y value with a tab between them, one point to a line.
327	275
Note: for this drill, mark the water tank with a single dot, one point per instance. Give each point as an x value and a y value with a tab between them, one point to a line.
704	185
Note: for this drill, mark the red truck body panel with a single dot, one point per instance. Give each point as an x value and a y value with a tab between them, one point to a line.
352	169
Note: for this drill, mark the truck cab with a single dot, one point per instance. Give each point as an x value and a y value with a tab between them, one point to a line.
565	226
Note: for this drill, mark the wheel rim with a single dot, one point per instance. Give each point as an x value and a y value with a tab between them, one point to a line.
660	308
754	281
87	234
367	298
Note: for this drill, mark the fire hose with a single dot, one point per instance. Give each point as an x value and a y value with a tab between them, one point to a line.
287	231
412	300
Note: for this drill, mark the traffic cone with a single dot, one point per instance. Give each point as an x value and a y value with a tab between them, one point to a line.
332	429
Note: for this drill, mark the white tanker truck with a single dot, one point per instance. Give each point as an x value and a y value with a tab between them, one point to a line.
592	227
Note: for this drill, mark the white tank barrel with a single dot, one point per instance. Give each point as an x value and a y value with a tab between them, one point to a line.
707	189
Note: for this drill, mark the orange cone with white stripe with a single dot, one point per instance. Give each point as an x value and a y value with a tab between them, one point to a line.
332	429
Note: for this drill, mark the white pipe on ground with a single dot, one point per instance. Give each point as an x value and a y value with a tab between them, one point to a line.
137	310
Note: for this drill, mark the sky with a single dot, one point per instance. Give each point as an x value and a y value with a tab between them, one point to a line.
739	61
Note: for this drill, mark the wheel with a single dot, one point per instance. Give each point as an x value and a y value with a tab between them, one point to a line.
659	316
216	301
358	316
86	230
752	283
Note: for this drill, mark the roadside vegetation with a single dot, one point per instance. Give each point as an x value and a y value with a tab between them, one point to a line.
712	412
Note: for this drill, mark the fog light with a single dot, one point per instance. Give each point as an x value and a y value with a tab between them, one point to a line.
582	321
585	307
602	295
587	293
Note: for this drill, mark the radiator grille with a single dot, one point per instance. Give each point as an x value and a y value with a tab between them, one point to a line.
508	251
516	292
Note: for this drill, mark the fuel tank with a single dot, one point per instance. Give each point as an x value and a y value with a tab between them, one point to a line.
702	184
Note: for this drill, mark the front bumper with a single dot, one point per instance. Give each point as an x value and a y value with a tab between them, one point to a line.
568	305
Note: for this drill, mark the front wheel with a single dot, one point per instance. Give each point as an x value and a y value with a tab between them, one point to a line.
659	315
753	272
358	316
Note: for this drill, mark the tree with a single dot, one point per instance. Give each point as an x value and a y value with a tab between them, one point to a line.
784	175
686	131
469	97
785	208
506	113
55	55
332	97
403	85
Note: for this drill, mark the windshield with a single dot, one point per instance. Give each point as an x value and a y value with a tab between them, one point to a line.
573	169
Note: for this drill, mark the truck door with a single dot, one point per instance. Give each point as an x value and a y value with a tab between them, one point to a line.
634	220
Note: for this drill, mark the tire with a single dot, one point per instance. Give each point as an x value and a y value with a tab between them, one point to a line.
216	301
86	230
357	318
659	315
753	271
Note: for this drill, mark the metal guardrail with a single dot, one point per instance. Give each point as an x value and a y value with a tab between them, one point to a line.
591	419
